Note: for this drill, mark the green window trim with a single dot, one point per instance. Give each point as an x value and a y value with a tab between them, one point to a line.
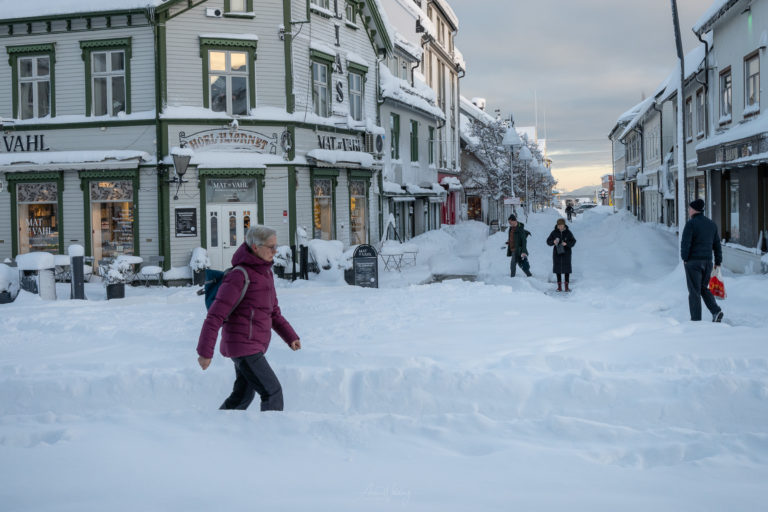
362	93
333	174
248	8
414	141
86	177
431	146
318	55
31	50
96	45
357	68
328	61
38	177
394	124
247	45
204	174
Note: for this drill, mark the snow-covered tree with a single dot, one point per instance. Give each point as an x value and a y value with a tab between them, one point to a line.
493	177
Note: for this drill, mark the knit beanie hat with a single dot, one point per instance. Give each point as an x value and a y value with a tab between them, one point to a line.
560	221
697	204
512	217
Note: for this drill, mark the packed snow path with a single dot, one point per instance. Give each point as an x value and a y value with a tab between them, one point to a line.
490	395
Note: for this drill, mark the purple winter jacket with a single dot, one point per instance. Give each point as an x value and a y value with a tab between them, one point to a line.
249	328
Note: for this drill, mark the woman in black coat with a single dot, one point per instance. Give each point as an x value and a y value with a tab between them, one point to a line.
561	239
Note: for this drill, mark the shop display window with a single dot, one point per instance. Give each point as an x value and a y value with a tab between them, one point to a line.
38	217
357	212
111	218
323	209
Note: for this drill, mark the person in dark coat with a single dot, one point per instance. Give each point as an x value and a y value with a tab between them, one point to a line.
562	240
569	211
700	239
517	246
247	329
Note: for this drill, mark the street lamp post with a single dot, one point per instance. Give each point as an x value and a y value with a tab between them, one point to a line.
525	156
513	142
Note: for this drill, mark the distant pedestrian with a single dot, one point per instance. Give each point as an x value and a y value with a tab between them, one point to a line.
246	330
700	239
569	211
517	246
562	240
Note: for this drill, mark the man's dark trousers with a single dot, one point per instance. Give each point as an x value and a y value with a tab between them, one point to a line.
253	374
518	260
697	274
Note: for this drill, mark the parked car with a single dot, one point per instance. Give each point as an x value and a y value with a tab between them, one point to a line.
582	207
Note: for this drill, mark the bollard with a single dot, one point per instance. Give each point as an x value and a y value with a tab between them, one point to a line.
77	281
46	284
304	262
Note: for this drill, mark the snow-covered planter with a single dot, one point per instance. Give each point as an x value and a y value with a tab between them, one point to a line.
198	263
9	283
328	254
282	259
115	275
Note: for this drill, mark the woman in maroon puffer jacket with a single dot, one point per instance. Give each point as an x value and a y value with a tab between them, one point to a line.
247	330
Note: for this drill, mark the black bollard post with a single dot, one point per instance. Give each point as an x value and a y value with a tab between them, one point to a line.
293	262
304	262
78	278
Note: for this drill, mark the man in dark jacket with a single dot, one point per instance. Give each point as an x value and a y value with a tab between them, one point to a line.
247	327
700	239
517	246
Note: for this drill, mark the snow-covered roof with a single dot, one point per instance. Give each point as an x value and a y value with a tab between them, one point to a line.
452	182
471	110
711	15
693	61
13	9
640	110
449	13
419	96
408	47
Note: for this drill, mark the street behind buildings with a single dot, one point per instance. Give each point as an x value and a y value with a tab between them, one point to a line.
486	395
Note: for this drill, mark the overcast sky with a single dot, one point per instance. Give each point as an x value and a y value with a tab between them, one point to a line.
587	61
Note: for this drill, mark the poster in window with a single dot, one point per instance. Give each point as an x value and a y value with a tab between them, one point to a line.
186	222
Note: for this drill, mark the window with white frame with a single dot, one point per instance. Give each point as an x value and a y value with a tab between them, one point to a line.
108	82
325	4
726	95
356	96
34	86
689	118
320	89
700	117
752	83
349	11
228	81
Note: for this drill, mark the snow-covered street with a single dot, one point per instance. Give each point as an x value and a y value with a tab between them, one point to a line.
489	395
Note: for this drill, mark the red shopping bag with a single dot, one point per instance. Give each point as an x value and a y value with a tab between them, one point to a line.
716	285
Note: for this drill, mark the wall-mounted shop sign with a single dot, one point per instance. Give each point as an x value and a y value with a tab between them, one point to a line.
186	222
230	190
19	143
230	138
339	143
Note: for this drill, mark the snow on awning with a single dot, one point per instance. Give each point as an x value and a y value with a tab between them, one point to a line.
452	183
72	160
337	158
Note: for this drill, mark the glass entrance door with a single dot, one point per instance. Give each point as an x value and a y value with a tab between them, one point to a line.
227	225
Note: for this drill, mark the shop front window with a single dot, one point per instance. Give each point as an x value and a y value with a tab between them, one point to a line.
111	218
357	212
38	217
474	208
323	208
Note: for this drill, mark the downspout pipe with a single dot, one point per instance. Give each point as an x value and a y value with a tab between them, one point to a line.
661	153
706	82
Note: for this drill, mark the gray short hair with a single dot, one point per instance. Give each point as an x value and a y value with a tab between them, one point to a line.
258	235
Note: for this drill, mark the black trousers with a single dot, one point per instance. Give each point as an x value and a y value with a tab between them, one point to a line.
560	278
254	375
518	260
697	274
